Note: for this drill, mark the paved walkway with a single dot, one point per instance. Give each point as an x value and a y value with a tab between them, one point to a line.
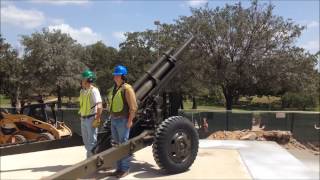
216	160
264	159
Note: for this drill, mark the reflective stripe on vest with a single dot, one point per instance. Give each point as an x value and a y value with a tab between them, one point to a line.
117	101
85	103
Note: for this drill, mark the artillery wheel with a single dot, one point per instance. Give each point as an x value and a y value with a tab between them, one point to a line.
19	139
45	137
176	144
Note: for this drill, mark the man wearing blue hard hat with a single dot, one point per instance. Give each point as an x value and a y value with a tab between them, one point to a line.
123	107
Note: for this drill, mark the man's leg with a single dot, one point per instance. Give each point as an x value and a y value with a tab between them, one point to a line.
92	136
84	134
124	131
115	136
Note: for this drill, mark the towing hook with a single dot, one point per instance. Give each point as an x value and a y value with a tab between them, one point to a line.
132	147
99	161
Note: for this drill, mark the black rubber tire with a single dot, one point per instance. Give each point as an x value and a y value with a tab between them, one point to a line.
45	137
176	145
20	139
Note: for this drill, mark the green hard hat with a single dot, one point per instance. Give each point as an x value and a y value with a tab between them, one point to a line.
87	74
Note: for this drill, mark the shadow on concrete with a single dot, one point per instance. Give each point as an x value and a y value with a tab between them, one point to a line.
145	170
38	169
140	169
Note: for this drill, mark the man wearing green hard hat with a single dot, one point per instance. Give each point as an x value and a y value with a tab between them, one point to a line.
90	110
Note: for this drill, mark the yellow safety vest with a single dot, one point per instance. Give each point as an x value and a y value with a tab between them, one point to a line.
85	103
118	103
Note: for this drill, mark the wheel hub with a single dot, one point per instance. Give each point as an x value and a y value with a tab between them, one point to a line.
180	148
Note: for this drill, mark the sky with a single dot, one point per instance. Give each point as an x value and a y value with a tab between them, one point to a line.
89	21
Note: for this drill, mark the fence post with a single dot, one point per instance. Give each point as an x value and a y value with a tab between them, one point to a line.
227	119
292	123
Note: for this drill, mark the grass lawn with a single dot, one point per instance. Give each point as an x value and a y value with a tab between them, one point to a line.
4	101
188	106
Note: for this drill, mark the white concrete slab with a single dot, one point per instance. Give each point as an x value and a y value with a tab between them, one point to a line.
264	160
209	164
216	160
36	165
310	160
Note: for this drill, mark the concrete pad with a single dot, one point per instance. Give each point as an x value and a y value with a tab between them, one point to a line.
209	164
310	160
216	160
264	160
36	165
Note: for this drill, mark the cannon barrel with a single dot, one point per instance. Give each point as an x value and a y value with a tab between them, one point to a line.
159	71
151	83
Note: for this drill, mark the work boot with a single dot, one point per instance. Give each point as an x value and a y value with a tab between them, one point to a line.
122	174
114	173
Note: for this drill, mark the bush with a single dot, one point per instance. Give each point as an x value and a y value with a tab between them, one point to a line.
299	100
210	101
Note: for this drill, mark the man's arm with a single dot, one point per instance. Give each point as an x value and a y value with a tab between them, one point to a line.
99	110
98	101
132	103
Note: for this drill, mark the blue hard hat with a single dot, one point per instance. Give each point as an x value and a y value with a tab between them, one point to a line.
120	70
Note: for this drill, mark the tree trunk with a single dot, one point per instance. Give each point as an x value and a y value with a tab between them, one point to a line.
175	103
229	102
18	104
236	100
69	101
15	103
164	105
194	103
182	107
59	96
227	92
269	103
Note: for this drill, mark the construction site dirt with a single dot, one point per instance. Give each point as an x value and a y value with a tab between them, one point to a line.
284	138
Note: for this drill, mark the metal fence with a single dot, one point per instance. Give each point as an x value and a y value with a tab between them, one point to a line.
71	118
303	125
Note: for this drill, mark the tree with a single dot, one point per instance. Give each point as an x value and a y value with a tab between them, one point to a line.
136	53
306	92
241	49
11	70
144	47
101	59
52	61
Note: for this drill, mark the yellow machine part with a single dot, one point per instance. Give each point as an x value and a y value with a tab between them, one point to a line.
9	119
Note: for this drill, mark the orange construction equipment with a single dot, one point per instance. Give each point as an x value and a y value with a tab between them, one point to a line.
35	123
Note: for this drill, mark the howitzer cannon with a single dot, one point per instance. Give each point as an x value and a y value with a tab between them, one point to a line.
174	139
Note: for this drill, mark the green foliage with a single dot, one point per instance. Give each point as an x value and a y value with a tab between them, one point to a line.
238	52
11	70
301	101
52	59
136	53
101	59
247	51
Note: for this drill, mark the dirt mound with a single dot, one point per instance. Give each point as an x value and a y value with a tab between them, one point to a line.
283	138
